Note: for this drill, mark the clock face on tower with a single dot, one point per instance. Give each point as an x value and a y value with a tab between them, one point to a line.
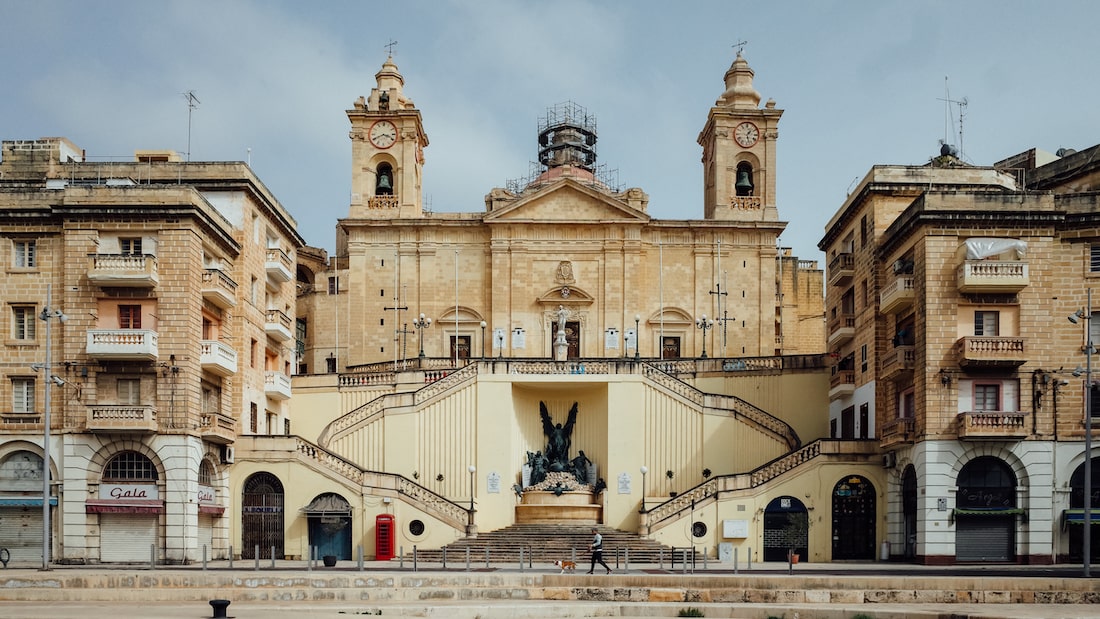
383	134
746	134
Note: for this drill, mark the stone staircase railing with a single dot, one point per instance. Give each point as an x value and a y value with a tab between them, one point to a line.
707	492
371	482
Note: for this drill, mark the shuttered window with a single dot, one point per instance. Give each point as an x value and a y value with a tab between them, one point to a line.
22	395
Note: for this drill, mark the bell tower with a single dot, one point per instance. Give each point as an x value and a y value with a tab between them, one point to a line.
738	143
387	150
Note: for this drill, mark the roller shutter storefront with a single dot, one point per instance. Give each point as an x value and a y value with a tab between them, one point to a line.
985	538
127	538
21	533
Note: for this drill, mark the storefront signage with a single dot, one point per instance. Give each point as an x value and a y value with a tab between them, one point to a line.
206	495
129	492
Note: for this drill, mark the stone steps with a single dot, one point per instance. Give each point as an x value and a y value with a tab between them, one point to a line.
545	543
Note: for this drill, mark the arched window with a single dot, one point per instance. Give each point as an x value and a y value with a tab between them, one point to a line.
130	466
206	473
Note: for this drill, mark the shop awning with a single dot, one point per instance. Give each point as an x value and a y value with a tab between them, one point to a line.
998	511
216	510
25	501
1077	516
94	506
327	505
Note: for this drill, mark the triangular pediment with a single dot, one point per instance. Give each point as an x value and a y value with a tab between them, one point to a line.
567	200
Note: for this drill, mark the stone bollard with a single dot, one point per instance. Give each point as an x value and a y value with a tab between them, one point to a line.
219	607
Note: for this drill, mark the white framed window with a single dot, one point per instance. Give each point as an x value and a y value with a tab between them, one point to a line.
130	246
987	323
22	395
23	319
129	391
24	254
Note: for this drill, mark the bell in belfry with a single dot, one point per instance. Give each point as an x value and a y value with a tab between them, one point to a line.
384	185
743	186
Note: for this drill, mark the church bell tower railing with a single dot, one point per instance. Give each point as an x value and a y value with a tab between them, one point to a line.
383	202
746	203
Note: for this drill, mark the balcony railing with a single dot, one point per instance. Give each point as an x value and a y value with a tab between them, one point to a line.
122	418
841	268
218	357
218	288
897	295
279	266
278	325
899	362
217	428
995	425
745	203
125	344
277	385
897	431
977	351
995	276
842	328
123	270
842	383
380	202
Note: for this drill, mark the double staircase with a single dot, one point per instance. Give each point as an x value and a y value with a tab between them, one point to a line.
546	543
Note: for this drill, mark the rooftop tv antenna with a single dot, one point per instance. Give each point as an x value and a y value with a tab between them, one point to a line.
192	103
948	123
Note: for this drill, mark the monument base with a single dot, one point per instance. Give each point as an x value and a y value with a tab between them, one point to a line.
560	499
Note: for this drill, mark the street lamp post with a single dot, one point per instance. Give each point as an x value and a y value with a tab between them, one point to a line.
471	529
420	324
1086	535
48	315
637	339
706	325
483	325
644	470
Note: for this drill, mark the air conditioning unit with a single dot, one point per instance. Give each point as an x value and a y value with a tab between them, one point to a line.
227	454
889	460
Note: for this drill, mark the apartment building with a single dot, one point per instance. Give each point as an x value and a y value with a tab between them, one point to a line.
948	288
150	307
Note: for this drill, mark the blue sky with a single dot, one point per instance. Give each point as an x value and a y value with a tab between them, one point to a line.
861	83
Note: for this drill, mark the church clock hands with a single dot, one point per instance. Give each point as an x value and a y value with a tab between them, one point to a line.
746	134
383	134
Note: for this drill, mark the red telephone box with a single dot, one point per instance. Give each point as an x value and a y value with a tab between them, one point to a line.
384	537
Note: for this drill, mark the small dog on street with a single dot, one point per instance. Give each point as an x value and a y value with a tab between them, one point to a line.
566	566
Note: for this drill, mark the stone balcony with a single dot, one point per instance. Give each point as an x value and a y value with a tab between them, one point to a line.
139	418
219	289
123	270
842	384
842	328
897	295
278	265
992	276
218	428
276	385
841	269
278	325
383	202
217	357
122	344
992	425
899	363
899	431
982	351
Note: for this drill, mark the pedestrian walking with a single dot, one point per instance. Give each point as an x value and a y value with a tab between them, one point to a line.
597	551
